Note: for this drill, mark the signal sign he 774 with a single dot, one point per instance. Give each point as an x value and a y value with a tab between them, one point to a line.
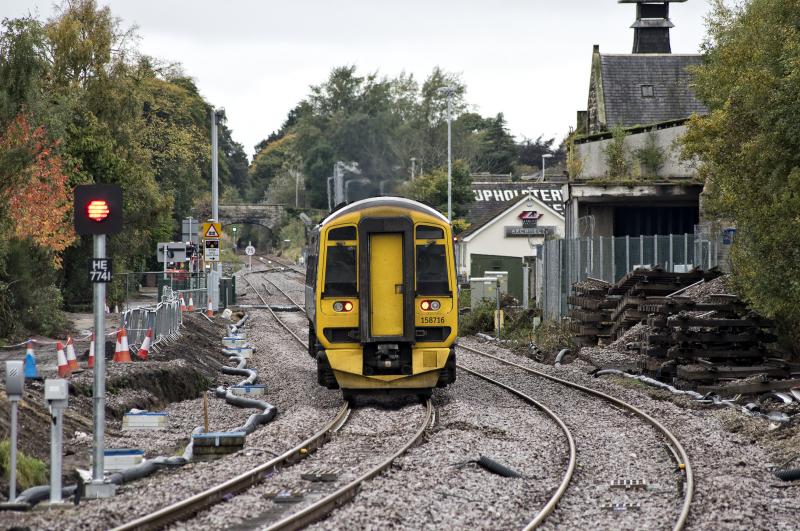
100	270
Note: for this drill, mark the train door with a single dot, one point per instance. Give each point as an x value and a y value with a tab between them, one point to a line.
386	284
386	264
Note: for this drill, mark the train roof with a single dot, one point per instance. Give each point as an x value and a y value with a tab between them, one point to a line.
372	202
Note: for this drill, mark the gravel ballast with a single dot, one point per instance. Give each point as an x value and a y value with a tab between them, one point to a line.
303	408
734	488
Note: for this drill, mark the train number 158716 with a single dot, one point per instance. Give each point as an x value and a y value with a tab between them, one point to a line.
427	319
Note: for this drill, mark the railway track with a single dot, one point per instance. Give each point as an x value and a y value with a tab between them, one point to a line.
186	508
347	492
677	450
551	504
271	311
560	491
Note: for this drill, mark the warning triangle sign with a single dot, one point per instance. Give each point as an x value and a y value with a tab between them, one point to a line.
212	232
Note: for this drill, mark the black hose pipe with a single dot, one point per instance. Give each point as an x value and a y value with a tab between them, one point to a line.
792	474
268	411
40	493
497	468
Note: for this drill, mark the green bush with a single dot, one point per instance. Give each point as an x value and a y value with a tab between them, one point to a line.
479	319
552	336
30	471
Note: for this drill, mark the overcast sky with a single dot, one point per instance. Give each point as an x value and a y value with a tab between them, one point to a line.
529	59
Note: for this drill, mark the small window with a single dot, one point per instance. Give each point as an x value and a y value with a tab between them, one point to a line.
647	91
340	271
426	232
432	278
311	264
342	234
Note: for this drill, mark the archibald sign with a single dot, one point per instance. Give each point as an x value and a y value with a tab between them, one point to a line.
519	232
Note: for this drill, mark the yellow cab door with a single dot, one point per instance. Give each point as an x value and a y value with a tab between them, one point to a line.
386	284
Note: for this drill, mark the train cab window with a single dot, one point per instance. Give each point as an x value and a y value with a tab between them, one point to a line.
342	234
432	276
340	271
426	232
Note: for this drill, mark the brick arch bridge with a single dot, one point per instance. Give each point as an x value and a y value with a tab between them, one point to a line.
268	216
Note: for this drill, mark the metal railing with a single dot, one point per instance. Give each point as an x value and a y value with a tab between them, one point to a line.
561	263
164	318
140	286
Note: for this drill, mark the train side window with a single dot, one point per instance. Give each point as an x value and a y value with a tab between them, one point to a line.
432	277
427	232
340	271
311	264
342	234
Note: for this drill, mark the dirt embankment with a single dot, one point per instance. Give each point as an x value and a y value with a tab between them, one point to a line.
178	371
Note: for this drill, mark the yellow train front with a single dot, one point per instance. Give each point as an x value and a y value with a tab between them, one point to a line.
381	297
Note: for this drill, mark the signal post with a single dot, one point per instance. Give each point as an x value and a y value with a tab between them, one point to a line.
98	212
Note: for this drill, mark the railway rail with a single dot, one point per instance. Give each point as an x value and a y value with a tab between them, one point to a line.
186	508
551	504
208	498
347	492
678	452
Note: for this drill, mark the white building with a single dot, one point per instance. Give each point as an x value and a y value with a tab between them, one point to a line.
505	237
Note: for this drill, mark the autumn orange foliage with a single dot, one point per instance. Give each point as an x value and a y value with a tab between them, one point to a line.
39	199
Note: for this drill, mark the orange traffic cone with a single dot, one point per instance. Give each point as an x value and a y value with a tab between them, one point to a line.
144	350
191	303
72	360
91	353
210	311
63	367
124	354
183	304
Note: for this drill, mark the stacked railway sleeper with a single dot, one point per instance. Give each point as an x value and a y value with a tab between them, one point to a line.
591	312
701	343
602	312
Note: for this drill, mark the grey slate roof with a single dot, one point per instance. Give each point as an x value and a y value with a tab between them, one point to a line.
623	76
492	199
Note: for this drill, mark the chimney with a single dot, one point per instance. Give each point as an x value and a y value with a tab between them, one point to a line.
651	29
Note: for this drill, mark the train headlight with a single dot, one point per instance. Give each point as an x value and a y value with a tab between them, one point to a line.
348	306
338	306
430	306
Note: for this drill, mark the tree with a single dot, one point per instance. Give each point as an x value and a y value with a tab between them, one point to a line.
749	146
431	189
498	151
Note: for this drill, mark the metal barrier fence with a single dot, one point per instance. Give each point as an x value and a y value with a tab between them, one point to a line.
561	263
164	318
142	287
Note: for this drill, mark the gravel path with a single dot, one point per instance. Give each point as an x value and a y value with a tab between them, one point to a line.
734	489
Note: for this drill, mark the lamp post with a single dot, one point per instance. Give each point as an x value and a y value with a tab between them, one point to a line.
235	243
544	158
413	167
448	92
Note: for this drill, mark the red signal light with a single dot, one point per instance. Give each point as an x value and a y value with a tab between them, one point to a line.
97	210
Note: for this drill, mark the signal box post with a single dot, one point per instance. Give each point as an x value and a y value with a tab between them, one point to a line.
98	211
